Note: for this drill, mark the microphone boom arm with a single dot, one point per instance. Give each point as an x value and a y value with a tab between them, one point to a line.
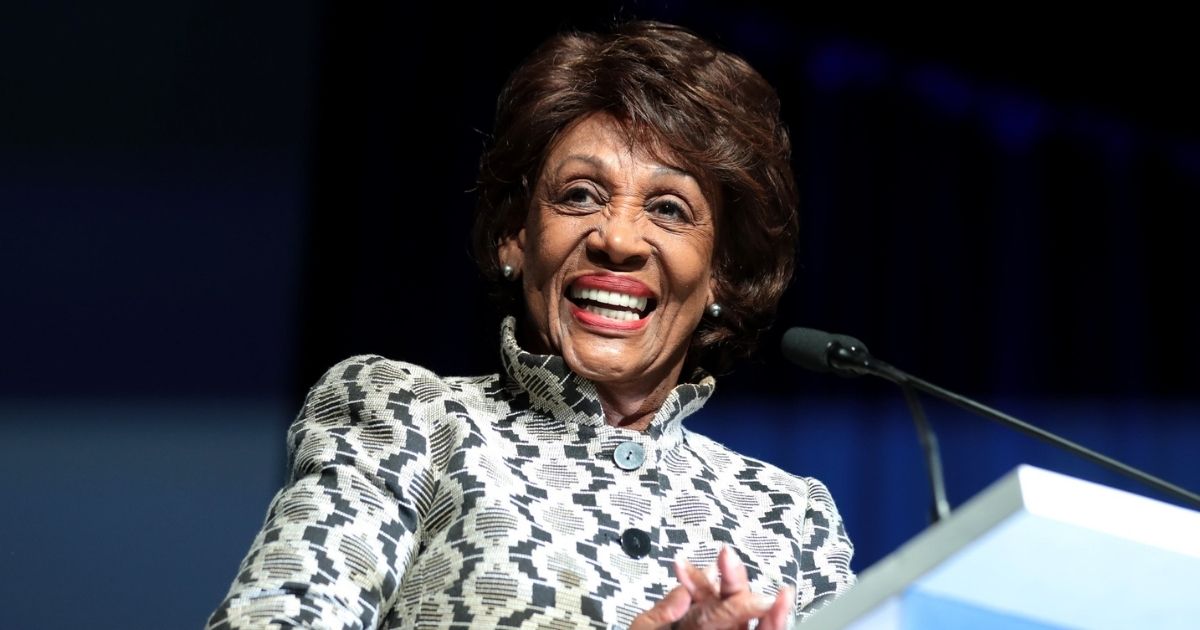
851	358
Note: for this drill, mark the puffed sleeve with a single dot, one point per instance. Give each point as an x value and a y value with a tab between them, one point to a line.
338	537
826	552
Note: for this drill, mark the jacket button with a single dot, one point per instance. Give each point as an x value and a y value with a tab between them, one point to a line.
629	455
635	542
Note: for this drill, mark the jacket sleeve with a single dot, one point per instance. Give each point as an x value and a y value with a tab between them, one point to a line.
826	552
339	536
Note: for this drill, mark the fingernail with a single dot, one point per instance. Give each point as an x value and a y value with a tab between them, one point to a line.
764	602
684	576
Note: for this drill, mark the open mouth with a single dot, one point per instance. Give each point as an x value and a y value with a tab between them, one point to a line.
619	303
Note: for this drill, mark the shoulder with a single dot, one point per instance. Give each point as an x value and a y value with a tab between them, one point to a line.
749	471
376	386
803	503
370	374
371	405
810	500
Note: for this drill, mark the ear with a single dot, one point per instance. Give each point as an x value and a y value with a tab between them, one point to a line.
512	251
712	289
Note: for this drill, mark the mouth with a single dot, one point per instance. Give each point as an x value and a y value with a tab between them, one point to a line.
611	301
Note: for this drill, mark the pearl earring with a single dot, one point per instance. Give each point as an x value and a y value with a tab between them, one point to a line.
714	310
508	272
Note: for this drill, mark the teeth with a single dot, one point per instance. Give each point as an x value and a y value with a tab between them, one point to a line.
624	316
610	297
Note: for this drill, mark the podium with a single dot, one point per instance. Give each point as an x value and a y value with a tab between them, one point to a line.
1036	549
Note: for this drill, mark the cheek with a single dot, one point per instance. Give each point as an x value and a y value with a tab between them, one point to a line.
552	241
694	269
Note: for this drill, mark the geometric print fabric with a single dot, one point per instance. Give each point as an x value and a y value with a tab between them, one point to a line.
495	502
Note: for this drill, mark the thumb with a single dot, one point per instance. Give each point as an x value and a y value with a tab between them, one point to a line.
667	611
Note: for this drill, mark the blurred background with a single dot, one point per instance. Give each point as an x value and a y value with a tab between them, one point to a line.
206	204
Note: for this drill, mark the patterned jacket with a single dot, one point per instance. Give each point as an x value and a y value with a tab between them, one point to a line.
506	501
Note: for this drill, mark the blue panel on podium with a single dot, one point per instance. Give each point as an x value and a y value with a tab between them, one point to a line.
922	610
1037	550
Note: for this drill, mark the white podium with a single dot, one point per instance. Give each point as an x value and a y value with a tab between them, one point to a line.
1036	549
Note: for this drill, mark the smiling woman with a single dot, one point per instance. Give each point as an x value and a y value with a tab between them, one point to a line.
610	226
637	215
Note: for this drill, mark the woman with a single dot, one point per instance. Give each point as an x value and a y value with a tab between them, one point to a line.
637	215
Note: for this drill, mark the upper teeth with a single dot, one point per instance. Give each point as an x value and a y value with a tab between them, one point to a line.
610	297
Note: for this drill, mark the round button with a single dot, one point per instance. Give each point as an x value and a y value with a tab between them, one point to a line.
629	455
635	542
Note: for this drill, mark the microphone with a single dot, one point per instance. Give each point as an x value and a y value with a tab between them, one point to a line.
820	351
847	356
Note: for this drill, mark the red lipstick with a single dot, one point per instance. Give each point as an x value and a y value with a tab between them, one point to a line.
618	284
615	284
599	321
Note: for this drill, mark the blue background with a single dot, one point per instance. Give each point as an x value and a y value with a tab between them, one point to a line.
205	204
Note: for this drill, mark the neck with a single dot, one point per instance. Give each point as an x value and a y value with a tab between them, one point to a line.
633	405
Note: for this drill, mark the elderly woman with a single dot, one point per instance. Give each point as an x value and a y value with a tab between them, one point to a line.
637	215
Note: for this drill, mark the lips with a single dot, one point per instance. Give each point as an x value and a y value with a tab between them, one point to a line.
613	302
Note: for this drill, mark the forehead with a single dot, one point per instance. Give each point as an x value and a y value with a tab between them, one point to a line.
605	142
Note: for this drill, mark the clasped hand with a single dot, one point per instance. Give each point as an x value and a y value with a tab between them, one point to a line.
715	598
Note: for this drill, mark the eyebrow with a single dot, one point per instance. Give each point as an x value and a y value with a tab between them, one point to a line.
671	170
588	159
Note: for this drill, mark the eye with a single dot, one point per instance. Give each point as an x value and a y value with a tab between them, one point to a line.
670	209
580	196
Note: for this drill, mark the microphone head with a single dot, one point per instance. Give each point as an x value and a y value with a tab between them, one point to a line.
809	348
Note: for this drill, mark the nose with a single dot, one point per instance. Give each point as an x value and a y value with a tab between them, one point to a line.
618	240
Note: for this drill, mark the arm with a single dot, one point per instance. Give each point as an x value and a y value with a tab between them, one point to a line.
339	536
825	552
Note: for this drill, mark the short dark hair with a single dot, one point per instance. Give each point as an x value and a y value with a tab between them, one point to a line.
709	108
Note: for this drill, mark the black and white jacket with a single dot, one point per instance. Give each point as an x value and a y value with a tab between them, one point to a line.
506	501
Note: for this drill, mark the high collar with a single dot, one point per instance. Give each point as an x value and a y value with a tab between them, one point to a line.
569	398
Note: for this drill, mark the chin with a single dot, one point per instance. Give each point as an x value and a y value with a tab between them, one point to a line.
621	361
606	360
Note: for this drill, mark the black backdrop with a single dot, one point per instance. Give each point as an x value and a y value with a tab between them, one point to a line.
206	204
1006	210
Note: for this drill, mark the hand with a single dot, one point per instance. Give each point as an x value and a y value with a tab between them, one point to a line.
716	598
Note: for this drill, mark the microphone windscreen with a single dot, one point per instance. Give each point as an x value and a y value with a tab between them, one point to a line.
809	348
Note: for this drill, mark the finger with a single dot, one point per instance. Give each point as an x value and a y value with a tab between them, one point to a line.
700	583
683	573
779	616
733	572
729	613
667	611
711	577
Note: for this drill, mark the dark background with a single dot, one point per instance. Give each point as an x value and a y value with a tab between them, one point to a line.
205	204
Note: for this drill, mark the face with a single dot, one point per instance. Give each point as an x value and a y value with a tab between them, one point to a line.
615	257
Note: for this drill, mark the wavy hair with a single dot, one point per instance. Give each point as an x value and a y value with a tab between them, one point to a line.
676	92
